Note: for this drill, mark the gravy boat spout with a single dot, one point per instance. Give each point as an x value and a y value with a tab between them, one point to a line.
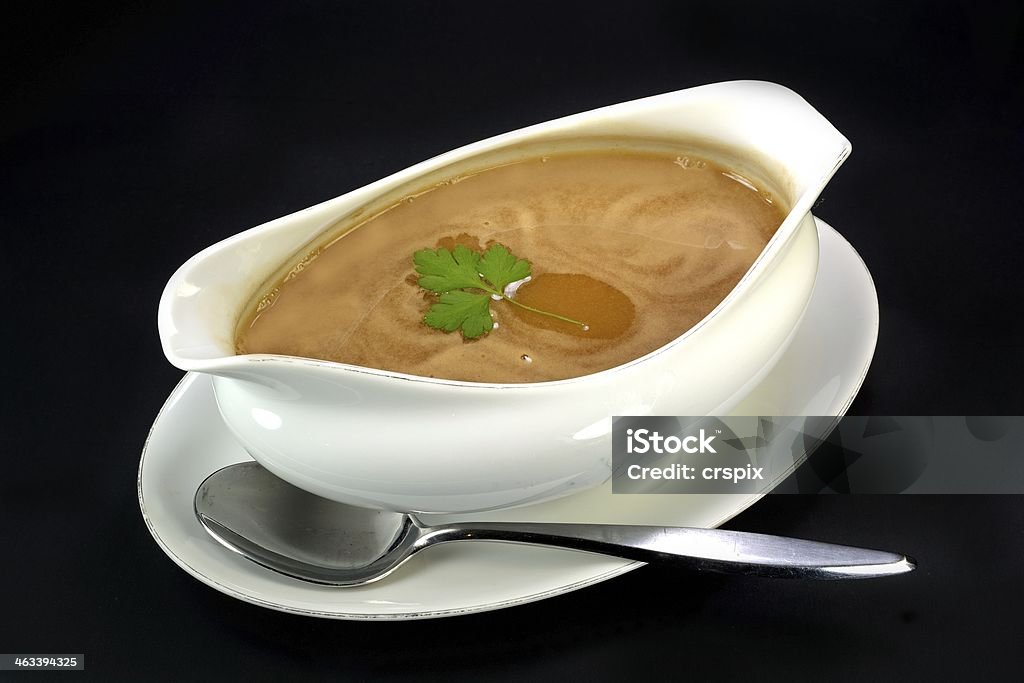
383	439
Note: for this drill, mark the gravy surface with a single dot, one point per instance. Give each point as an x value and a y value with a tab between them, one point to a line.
639	245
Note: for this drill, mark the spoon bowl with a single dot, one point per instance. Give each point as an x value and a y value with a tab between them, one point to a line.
254	513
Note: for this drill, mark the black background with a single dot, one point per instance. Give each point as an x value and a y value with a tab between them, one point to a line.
133	135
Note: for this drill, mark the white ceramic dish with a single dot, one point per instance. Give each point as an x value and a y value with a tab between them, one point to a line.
819	374
383	439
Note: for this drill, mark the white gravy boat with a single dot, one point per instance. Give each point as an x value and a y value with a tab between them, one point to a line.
383	439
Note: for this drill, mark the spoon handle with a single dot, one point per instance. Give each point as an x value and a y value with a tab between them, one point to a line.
716	550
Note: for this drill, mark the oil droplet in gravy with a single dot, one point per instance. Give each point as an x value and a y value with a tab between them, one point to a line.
606	312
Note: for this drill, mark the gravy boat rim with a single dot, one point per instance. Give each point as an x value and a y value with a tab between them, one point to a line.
799	211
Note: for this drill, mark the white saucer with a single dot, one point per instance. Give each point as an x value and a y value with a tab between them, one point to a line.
819	374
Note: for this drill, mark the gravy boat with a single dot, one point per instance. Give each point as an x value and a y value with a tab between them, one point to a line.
392	441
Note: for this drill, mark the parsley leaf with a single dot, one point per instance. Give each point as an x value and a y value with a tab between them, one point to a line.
462	310
501	268
451	273
444	270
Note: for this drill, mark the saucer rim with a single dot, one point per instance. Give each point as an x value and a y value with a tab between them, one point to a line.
183	385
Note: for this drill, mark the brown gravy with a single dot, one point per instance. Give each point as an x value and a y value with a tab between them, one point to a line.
640	245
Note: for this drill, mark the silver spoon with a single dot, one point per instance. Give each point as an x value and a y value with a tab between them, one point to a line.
293	532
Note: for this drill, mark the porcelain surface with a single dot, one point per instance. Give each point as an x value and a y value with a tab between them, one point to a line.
380	439
819	374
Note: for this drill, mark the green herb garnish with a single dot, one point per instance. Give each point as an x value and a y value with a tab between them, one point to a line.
467	283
